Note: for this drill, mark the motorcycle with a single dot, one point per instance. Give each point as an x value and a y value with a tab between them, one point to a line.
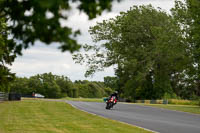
110	102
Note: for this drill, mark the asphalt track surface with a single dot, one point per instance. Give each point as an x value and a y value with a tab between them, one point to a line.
155	119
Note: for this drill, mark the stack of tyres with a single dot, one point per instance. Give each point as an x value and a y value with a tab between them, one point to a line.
14	97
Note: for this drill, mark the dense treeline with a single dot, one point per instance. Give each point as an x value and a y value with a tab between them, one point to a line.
22	23
54	86
92	89
156	54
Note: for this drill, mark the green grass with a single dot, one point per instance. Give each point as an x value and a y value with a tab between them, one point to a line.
84	99
37	116
183	108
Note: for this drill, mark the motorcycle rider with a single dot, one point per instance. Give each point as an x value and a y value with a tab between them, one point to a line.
111	100
115	94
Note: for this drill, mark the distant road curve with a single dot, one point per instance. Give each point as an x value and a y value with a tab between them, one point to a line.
155	119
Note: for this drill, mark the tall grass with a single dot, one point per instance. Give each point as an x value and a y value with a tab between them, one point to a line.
183	102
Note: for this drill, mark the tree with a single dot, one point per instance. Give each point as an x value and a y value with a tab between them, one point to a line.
91	89
145	44
21	86
47	84
7	56
187	14
194	39
35	85
111	82
54	86
49	88
65	85
33	20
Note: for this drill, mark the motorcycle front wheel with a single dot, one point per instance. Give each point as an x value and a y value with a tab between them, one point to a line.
108	106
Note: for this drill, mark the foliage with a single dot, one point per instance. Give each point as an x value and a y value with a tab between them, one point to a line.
7	56
92	89
187	14
47	84
54	86
147	47
156	54
21	85
34	20
111	82
170	96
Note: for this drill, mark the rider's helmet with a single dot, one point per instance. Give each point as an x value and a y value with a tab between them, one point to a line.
116	92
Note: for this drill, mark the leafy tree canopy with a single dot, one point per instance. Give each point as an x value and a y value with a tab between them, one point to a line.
26	21
7	56
32	20
187	14
54	86
144	43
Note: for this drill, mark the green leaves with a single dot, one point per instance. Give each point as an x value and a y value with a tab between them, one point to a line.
146	46
187	14
7	56
54	86
34	20
94	7
47	84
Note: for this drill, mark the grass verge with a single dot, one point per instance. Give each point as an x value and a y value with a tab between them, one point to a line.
37	116
84	99
183	108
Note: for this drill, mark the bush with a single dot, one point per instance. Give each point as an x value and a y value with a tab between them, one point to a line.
108	91
170	96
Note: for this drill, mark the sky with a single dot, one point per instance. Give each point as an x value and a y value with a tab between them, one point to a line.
43	58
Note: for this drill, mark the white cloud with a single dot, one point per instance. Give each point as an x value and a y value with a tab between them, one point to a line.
41	58
38	60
